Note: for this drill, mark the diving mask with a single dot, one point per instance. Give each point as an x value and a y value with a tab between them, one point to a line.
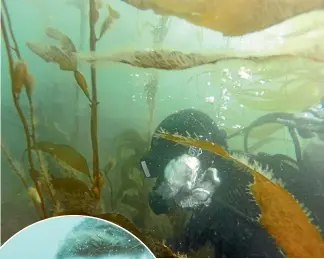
186	183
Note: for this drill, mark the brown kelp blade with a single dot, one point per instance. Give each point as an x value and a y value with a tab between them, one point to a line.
19	76
79	77
69	185
108	21
66	43
285	220
281	214
176	60
304	96
231	17
159	59
65	153
42	50
53	54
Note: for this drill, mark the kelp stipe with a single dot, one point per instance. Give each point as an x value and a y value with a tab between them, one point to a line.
20	78
65	58
158	33
20	174
282	216
74	188
97	180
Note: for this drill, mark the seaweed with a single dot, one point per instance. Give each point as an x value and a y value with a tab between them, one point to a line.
93	17
70	160
233	17
71	185
74	187
158	33
20	78
130	147
281	214
65	58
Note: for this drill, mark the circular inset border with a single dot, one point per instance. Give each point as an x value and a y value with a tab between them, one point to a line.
73	236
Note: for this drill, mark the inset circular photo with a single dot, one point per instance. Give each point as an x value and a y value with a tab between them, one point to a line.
74	237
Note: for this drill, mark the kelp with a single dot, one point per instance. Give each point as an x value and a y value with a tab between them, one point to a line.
64	56
110	166
53	54
151	89
270	86
160	30
164	59
232	17
97	179
282	216
65	153
159	59
69	185
286	99
129	139
23	77
69	193
64	188
108	21
66	43
20	174
175	60
132	143
81	6
158	33
82	83
295	38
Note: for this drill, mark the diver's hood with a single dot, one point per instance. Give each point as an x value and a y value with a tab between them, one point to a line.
186	122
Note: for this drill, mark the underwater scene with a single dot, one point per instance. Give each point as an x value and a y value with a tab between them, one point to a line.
197	125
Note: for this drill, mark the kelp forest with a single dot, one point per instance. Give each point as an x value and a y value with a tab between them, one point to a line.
75	187
57	178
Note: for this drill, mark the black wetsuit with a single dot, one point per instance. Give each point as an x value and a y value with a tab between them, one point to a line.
229	223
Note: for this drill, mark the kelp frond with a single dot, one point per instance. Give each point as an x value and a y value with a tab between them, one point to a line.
282	216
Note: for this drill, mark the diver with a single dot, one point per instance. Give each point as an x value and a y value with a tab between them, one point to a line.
224	213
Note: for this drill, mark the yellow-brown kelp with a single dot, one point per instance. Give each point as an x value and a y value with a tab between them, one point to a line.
282	216
20	78
231	17
65	58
